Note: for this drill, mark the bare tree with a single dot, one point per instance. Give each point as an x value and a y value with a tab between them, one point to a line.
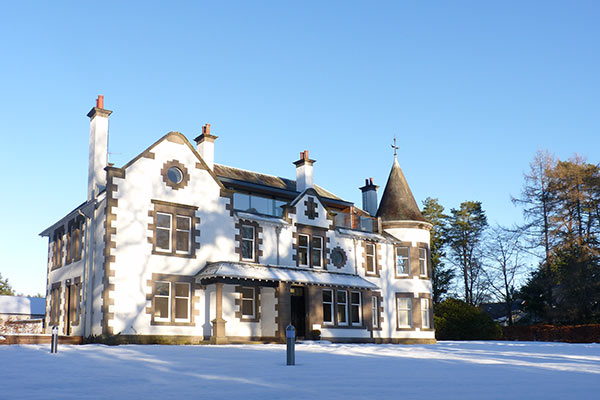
504	264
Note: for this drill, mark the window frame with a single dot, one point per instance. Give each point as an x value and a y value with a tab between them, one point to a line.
319	249
174	212
169	230
168	297
375	312
172	280
425	313
345	308
407	258
408	310
423	262
307	250
251	299
188	299
372	257
252	241
331	306
358	305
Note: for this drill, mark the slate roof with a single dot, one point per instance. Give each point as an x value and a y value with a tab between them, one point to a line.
398	202
224	171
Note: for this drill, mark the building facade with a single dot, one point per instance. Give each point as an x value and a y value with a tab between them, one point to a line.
172	245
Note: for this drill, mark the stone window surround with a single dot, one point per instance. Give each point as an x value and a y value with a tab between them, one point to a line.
415	311
258	241
342	253
75	287
376	257
172	278
57	248
413	261
311	231
55	304
238	302
349	325
380	317
75	226
184	180
174	209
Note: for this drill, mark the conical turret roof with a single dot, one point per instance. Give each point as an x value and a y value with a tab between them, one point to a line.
397	202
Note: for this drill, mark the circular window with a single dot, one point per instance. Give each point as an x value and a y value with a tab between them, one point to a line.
175	175
338	257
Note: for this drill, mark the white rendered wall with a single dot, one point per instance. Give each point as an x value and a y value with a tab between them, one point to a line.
134	262
98	155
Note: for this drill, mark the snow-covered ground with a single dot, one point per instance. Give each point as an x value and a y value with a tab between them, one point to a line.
448	370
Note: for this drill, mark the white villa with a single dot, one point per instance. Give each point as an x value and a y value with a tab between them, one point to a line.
172	247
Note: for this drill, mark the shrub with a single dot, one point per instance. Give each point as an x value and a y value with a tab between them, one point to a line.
456	320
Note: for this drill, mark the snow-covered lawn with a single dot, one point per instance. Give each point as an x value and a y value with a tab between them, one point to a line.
447	370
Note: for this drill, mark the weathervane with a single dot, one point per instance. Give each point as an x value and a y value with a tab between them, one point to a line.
395	148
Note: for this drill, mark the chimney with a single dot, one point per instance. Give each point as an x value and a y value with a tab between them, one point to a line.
98	157
205	144
304	172
369	197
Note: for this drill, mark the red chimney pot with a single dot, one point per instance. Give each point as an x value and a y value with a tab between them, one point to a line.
100	101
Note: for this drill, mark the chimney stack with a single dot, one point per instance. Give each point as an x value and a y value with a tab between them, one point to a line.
304	172
369	196
205	144
98	156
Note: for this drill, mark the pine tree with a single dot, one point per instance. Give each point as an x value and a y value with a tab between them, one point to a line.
441	276
5	288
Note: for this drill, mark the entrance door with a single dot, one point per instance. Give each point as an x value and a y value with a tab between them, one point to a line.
298	310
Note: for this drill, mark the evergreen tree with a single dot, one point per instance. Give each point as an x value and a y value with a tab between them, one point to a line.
466	227
441	276
5	288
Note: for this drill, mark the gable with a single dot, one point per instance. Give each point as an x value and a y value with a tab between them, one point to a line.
310	210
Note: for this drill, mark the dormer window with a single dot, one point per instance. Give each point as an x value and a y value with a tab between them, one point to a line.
258	204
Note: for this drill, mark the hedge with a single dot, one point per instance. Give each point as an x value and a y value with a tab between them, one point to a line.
550	333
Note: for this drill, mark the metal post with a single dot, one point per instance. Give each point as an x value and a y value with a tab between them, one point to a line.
290	335
54	341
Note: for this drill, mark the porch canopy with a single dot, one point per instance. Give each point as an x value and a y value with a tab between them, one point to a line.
272	273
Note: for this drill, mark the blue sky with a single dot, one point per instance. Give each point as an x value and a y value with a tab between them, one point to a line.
470	89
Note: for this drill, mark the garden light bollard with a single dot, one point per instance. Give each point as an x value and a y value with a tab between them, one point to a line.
290	335
54	341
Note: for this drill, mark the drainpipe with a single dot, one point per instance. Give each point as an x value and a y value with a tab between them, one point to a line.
355	257
85	266
278	232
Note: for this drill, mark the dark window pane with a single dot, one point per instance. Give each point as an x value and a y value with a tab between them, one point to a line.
175	175
370	249
327	296
247	249
182	289
303	240
247	232
162	288
261	205
341	314
247	307
183	223
316	242
316	257
181	308
182	241
248	293
355	314
163	220
341	296
355	297
163	237
161	307
402	251
327	317
302	256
